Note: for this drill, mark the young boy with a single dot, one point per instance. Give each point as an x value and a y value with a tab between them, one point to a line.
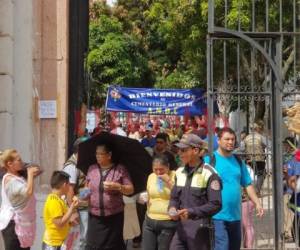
56	213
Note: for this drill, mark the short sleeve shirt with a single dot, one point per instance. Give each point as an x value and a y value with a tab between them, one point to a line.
73	172
16	191
233	177
293	167
54	207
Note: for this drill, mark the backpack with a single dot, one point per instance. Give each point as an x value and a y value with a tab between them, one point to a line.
212	160
80	177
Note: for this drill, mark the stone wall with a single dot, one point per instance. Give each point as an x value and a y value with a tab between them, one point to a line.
6	72
33	67
50	64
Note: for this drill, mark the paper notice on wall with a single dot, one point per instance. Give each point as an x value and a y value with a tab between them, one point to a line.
90	121
47	109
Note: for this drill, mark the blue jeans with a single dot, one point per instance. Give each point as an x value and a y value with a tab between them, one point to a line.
83	220
80	242
227	235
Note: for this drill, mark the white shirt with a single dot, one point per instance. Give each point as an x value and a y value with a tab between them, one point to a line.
73	172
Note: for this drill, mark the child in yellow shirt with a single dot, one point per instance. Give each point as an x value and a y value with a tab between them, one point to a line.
56	212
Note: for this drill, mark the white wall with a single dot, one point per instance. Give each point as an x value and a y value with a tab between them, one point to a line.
16	77
34	56
39	222
23	71
6	72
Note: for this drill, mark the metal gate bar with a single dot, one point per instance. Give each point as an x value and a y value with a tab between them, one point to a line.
268	43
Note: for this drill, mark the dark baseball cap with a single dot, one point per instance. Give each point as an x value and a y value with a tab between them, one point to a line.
288	140
191	140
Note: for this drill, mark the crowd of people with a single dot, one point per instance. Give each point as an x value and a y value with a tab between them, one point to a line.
192	200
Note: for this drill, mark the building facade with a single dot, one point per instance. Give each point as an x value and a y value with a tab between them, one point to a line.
33	68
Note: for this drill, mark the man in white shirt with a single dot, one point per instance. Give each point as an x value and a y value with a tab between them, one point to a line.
77	183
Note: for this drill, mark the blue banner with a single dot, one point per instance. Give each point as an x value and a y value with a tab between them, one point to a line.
156	101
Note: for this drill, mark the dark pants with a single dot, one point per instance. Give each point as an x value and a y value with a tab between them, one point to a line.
296	230
157	234
105	232
11	241
141	211
227	235
47	247
190	236
260	172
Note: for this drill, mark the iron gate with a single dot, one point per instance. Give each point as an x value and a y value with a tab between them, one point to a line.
253	65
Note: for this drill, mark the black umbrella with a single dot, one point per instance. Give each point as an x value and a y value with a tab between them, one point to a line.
126	151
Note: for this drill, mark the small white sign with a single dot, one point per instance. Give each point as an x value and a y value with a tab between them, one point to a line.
47	109
90	121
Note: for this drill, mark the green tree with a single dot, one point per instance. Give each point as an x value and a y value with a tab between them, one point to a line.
173	34
115	58
162	43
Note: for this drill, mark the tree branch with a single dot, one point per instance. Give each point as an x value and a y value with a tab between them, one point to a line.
246	68
288	63
288	49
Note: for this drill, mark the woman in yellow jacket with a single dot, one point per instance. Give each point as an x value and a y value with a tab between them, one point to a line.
158	228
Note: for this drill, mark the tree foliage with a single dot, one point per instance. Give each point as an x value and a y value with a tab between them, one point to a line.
115	57
147	43
162	43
